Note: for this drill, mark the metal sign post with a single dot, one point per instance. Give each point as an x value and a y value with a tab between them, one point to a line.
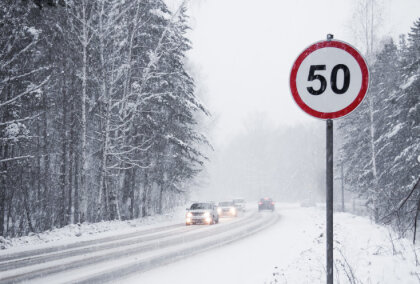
329	206
329	203
328	80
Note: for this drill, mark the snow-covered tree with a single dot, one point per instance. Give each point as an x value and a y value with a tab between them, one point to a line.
97	112
393	112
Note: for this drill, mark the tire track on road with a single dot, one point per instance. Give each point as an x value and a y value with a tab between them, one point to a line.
31	268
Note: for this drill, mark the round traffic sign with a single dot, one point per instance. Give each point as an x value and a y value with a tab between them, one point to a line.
329	79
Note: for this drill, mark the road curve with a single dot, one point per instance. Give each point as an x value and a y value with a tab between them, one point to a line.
111	258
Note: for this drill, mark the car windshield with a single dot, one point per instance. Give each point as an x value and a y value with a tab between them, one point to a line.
238	201
225	204
200	206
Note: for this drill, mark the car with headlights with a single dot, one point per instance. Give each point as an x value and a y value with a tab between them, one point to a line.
202	213
239	204
227	209
266	204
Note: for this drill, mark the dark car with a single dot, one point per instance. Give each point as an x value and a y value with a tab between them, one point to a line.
266	204
202	213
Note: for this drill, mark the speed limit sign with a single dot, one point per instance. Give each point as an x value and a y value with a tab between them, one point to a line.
329	79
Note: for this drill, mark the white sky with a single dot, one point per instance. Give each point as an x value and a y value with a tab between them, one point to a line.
244	50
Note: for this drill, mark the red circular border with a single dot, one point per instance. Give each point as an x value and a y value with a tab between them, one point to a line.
365	79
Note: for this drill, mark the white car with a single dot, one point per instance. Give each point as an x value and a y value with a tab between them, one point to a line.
202	213
227	208
239	204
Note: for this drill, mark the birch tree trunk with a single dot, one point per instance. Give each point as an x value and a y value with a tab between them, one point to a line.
46	172
105	131
64	161
85	40
70	208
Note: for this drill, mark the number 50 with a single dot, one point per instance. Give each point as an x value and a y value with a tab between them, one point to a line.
312	76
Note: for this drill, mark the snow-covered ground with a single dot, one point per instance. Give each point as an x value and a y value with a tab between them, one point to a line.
87	231
290	251
293	251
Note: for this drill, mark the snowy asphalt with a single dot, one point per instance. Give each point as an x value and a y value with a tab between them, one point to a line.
293	251
107	259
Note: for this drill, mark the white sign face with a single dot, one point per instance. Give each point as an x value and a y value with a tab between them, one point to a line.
329	79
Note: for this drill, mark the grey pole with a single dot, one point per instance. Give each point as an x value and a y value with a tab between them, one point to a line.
330	195
329	205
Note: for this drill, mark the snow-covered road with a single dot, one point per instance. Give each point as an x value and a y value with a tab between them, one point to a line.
287	246
293	251
110	258
251	260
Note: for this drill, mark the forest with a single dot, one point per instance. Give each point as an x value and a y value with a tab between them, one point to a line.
99	117
379	143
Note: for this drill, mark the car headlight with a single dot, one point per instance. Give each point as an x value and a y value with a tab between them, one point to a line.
189	215
206	214
232	210
219	210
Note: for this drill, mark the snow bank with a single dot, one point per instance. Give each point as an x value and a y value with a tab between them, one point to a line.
88	231
363	253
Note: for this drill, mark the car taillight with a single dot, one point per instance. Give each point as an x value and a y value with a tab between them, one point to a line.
259	203
272	203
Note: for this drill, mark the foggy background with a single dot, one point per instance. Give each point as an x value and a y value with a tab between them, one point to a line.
264	145
285	163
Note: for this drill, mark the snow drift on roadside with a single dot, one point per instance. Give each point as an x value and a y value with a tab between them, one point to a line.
87	231
363	253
